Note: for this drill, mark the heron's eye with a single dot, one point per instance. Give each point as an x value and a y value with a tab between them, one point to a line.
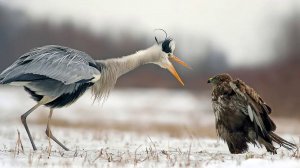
169	54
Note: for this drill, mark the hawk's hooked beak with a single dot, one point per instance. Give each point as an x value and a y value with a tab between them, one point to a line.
209	80
173	71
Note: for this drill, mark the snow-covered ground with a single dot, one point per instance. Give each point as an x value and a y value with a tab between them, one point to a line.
128	149
133	128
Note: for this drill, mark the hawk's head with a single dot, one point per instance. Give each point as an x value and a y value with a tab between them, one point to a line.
219	79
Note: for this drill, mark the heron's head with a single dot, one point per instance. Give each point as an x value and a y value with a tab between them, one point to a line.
219	79
166	57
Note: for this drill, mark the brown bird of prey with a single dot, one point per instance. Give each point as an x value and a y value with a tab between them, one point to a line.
242	116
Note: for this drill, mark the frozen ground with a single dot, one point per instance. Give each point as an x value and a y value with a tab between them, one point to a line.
128	149
133	128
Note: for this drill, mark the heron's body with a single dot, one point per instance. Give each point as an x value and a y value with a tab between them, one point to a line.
40	73
56	76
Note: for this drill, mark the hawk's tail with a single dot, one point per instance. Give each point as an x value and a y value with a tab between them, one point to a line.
282	142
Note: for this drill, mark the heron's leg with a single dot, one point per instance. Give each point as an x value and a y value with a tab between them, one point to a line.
43	101
23	119
49	133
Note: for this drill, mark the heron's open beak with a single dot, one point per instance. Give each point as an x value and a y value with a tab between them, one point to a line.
173	71
179	61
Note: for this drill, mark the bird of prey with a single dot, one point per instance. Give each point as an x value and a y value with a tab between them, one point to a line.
242	116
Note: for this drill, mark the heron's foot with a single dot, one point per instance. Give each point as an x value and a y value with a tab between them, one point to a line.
50	135
23	119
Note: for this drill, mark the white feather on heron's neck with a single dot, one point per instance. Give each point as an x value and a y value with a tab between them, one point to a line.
116	67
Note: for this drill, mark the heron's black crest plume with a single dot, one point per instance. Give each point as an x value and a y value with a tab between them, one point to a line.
156	40
166	47
163	31
166	35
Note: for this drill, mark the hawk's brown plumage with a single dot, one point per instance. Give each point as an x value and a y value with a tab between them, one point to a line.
242	116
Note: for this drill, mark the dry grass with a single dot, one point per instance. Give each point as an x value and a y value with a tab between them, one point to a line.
146	155
19	146
122	149
192	130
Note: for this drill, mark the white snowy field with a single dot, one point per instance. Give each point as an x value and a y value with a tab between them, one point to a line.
90	148
133	128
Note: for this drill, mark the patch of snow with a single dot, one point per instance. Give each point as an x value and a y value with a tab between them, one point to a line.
90	148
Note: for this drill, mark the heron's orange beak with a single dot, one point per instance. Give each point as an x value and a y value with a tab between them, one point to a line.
179	61
173	71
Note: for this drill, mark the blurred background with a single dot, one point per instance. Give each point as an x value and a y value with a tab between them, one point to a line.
256	41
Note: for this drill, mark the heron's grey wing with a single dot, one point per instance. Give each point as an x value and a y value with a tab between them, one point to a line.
56	62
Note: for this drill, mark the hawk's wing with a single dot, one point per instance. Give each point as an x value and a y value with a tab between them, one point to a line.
258	110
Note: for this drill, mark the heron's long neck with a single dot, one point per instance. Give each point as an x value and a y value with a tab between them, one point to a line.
125	64
115	67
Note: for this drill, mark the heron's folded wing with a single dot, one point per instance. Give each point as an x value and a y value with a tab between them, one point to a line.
56	62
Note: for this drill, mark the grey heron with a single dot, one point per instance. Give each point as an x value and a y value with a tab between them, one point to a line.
56	76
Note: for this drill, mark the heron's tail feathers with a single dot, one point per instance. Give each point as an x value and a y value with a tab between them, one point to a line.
282	142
